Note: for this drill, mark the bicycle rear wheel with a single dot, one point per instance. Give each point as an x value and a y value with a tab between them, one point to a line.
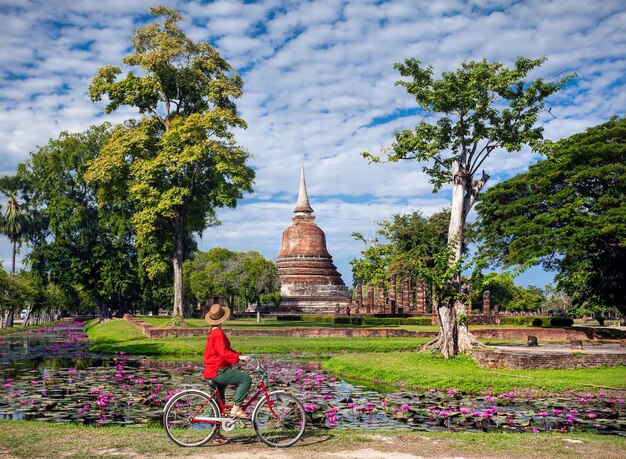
184	418
281	422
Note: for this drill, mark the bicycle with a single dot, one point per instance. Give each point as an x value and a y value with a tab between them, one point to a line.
192	416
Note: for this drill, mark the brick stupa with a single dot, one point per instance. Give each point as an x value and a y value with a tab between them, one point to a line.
310	282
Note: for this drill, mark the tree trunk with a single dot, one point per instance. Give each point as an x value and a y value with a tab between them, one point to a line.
13	257
177	264
454	336
27	317
104	313
10	317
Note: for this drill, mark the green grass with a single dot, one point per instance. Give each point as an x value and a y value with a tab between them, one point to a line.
423	371
120	335
21	439
272	323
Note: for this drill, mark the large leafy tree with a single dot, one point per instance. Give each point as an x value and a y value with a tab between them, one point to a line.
85	248
400	244
244	276
260	278
472	112
568	212
179	161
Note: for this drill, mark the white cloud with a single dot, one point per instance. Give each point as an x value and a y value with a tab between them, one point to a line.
317	74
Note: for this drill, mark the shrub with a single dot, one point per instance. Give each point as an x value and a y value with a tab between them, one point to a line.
561	322
344	320
293	317
524	321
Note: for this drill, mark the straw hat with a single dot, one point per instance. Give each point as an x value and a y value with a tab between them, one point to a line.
217	314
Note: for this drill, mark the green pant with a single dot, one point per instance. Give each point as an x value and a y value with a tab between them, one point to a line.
228	376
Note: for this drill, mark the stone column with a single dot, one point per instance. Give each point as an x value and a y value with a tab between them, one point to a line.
392	292
359	298
381	297
370	298
421	297
487	302
405	304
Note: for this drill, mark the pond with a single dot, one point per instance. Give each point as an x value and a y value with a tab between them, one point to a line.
48	375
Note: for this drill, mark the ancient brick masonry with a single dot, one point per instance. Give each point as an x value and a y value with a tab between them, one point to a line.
310	282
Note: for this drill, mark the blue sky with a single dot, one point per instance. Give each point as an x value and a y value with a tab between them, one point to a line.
319	83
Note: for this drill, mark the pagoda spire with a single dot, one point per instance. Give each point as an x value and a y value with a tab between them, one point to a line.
303	206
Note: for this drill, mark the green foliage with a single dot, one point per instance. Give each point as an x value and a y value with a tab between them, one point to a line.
576	200
14	216
241	277
561	322
81	246
504	293
180	161
485	106
525	321
400	243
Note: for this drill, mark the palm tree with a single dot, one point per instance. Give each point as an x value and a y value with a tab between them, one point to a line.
12	222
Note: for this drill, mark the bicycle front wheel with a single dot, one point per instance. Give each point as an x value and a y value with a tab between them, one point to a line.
280	421
185	418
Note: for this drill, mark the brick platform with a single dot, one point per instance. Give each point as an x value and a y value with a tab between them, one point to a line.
550	356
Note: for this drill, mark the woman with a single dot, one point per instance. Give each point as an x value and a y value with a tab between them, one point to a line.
218	360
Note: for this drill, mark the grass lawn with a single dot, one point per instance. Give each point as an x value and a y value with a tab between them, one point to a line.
423	371
120	335
21	439
272	323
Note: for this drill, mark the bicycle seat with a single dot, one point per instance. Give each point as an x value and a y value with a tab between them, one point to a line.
212	384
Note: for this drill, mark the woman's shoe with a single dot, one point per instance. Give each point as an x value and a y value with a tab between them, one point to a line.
219	439
239	413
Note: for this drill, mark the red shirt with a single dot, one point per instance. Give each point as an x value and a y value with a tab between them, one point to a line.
217	353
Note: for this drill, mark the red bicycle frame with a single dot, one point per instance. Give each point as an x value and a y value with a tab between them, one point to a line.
260	389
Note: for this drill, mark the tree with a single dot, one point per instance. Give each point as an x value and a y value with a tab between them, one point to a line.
85	248
260	278
13	222
180	161
210	274
400	244
481	108
568	212
219	272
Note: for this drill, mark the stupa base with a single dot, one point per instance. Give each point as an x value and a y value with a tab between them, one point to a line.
315	306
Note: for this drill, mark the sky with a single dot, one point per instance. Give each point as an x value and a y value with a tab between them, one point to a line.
319	88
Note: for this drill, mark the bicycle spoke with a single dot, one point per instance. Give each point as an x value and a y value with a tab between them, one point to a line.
281	424
185	418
